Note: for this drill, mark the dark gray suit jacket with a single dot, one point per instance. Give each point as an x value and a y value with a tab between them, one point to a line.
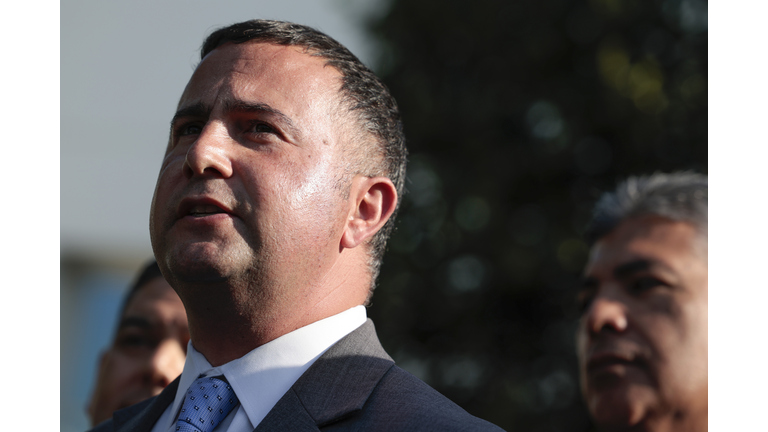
354	386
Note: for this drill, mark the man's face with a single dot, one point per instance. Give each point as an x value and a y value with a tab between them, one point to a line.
148	352
251	187
642	338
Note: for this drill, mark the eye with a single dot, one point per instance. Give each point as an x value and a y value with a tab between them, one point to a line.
259	127
643	284
584	299
263	128
132	341
189	129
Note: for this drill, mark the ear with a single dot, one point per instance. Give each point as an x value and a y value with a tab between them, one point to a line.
373	200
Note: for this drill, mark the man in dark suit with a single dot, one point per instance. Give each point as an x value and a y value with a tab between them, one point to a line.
272	208
642	339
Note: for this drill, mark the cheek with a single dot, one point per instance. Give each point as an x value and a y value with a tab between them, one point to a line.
581	353
581	341
686	345
120	369
166	178
160	196
310	188
114	379
320	189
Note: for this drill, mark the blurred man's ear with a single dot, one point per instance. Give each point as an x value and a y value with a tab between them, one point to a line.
374	200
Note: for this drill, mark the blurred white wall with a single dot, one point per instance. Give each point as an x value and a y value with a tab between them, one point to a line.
123	68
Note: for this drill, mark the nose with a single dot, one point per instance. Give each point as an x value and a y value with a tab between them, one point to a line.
606	314
209	153
164	365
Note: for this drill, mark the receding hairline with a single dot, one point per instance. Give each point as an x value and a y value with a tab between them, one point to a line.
356	137
699	242
677	196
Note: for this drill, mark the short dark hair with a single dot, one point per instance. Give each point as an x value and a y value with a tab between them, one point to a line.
149	272
680	196
362	91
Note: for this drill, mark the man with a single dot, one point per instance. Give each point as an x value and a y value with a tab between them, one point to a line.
272	208
642	338
148	349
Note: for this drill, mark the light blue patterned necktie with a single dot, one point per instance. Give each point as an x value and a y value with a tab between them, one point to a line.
206	404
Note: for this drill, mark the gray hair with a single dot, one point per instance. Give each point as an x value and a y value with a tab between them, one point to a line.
680	196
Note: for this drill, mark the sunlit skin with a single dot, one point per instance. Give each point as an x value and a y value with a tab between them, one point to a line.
148	351
257	220
642	338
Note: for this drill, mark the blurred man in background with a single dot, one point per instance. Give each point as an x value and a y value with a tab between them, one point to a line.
148	350
642	338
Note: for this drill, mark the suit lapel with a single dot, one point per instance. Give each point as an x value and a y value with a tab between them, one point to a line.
142	416
288	415
336	386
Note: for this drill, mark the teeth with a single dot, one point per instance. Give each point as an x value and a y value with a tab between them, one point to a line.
204	210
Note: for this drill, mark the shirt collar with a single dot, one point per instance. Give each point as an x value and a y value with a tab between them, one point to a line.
261	377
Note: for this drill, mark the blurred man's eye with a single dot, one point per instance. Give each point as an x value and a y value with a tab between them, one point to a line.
133	343
587	291
644	284
584	299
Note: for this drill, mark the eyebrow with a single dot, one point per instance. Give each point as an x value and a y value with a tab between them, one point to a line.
621	272
631	267
200	110
197	110
241	106
133	321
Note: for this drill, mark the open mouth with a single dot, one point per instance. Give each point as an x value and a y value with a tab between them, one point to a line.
204	210
201	207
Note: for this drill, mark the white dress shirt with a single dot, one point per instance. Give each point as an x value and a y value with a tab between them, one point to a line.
261	377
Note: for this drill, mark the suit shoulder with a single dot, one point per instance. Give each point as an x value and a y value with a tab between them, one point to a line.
403	402
105	426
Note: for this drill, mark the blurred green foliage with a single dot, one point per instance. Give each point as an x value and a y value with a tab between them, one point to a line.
518	114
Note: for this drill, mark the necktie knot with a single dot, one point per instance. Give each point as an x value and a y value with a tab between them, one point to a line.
207	402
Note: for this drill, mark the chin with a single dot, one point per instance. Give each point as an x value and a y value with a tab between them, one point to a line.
619	409
198	273
187	267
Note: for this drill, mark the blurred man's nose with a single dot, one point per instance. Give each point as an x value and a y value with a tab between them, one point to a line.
165	364
208	155
606	314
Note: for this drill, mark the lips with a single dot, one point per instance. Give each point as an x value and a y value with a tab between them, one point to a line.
615	359
204	210
609	360
201	208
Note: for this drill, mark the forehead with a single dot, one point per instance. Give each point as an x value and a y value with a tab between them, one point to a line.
672	243
155	297
283	76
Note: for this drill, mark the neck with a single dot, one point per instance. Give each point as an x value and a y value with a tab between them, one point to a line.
230	320
679	422
672	422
